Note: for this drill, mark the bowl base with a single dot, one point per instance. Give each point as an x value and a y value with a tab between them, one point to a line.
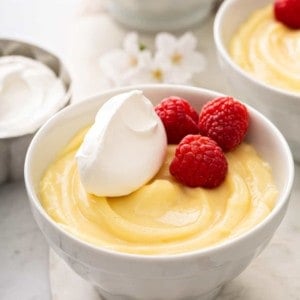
151	22
207	296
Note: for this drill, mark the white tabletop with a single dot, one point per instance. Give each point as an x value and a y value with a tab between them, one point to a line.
79	31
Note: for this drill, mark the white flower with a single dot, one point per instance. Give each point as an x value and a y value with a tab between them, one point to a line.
148	71
117	63
175	61
179	54
152	70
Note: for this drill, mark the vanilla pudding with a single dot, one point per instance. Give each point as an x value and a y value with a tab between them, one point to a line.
30	92
268	50
161	216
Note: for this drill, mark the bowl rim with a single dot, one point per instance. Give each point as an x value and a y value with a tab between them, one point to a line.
223	51
227	244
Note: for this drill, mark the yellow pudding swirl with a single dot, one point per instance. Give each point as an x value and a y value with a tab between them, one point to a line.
269	50
163	216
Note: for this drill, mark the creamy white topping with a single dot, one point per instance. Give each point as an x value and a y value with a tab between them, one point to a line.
30	92
124	148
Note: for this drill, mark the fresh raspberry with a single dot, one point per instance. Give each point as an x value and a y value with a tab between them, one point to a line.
225	120
288	12
178	117
199	162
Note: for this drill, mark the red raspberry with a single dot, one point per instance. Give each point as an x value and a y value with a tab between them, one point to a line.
225	120
288	12
199	162
178	117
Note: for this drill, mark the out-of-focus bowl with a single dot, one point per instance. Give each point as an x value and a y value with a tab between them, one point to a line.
194	275
282	107
159	15
13	149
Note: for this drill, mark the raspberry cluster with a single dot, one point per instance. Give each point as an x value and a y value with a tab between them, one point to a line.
202	138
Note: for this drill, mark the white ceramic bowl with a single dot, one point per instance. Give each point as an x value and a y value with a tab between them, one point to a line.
282	107
182	276
13	148
159	15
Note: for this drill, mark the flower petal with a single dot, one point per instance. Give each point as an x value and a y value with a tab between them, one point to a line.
145	58
163	60
131	43
115	63
138	76
187	43
165	42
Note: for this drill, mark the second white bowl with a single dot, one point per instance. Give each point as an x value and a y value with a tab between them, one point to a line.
282	107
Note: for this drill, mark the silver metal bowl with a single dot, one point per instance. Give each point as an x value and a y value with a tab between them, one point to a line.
13	150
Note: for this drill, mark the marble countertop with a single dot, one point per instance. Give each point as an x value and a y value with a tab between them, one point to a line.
88	32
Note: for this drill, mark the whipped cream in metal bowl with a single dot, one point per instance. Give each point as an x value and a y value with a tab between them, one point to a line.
29	92
34	85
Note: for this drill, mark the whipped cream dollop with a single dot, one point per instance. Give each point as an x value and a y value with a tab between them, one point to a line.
30	92
124	148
